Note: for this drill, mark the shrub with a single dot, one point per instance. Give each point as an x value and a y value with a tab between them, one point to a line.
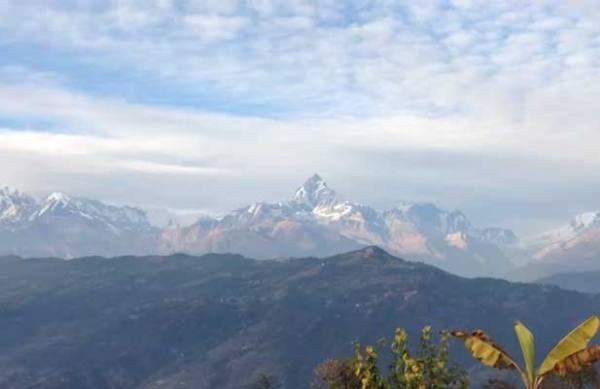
429	367
335	374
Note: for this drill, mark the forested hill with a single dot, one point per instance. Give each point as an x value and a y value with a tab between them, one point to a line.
220	320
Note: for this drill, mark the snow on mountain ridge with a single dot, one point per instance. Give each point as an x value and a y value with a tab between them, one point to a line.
53	202
581	235
315	192
15	206
422	218
315	221
67	227
575	227
9	191
316	215
20	208
585	221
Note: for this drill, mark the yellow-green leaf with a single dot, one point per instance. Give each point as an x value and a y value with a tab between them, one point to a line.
485	349
527	343
574	342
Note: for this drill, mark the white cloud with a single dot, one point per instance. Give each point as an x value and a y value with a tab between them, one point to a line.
389	59
214	27
502	78
169	168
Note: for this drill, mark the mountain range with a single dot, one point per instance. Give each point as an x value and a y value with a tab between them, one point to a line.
315	221
221	320
67	227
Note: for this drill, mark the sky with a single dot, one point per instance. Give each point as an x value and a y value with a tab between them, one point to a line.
490	107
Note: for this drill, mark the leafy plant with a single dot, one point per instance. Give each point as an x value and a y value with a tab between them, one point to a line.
570	356
429	367
335	374
588	378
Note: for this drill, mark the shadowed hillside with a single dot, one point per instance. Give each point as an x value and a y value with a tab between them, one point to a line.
220	320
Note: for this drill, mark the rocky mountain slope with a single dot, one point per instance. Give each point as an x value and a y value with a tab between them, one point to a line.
220	320
317	221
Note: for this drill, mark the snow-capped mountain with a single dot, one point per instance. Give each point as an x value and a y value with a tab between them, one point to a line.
573	247
580	238
60	205
66	226
581	234
315	192
316	221
15	207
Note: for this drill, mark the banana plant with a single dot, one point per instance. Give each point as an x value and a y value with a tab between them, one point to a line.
570	356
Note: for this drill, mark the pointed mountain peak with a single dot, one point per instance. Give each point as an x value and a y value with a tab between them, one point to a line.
55	201
315	192
373	254
316	178
58	197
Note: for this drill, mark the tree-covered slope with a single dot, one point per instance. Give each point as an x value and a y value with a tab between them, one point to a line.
220	320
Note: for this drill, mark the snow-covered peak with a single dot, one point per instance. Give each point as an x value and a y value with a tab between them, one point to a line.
15	206
53	202
62	206
315	192
579	235
8	191
585	221
12	195
577	225
58	197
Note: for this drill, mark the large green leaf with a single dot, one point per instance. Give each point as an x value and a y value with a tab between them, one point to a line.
485	349
527	343
574	342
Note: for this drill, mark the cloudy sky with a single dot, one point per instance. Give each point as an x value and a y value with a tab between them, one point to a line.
490	107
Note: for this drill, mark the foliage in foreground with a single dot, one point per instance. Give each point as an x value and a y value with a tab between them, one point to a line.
587	378
429	367
335	374
570	358
569	365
